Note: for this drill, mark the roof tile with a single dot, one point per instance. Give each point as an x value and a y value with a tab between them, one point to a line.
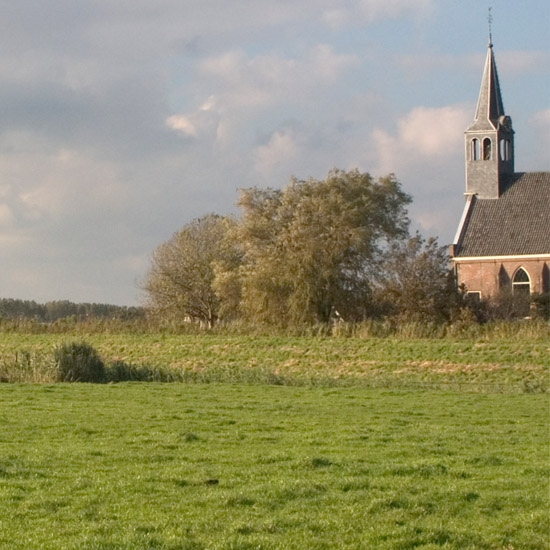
517	223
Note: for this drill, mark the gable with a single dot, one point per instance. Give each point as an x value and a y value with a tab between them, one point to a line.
517	223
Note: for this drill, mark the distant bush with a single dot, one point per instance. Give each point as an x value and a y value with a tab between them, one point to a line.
79	362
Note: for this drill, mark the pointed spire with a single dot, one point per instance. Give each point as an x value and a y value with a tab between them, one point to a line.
489	106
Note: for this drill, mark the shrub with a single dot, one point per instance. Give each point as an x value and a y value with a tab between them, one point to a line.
541	306
119	371
79	362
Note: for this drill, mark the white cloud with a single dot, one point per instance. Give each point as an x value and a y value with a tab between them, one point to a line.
339	14
68	184
433	131
5	190
335	18
6	215
264	79
426	153
423	135
228	65
382	9
12	242
281	149
209	104
329	65
182	124
251	87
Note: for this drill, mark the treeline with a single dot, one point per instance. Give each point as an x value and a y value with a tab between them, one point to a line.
316	251
327	251
53	311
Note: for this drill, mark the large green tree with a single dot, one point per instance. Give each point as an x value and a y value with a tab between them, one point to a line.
310	250
179	284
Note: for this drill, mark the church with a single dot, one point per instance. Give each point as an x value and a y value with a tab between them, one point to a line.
503	238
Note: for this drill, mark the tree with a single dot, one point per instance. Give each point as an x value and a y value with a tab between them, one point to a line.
417	283
180	281
312	249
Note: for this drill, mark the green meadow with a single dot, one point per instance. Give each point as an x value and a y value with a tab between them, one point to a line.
276	442
221	466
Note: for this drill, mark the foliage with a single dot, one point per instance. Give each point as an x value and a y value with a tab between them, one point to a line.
133	466
504	306
179	284
311	249
417	283
541	305
78	362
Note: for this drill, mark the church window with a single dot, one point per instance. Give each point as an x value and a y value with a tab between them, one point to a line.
486	149
521	284
475	149
473	297
504	149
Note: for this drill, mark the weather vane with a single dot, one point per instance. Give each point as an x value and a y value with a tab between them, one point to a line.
490	21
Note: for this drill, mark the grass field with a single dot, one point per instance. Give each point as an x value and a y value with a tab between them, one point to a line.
500	365
176	466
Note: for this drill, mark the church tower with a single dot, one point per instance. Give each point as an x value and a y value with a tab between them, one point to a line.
502	244
489	139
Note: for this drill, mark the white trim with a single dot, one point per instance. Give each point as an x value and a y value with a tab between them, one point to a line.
469	197
518	257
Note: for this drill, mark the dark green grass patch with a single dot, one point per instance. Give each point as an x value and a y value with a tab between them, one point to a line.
171	466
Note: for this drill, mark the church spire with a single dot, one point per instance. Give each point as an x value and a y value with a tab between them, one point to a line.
489	105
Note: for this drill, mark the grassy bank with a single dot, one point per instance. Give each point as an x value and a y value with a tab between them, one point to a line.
499	365
138	466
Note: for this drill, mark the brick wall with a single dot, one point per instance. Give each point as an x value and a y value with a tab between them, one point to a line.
488	276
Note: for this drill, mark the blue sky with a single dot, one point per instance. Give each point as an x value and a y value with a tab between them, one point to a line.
122	120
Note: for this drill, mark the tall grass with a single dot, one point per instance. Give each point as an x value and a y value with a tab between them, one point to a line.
490	367
43	368
26	366
533	329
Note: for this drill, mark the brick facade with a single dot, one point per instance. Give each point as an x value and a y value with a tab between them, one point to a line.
489	276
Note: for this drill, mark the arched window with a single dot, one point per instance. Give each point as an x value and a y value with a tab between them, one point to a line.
521	283
475	149
486	149
504	149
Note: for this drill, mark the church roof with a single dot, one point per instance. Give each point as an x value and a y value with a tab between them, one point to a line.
515	224
489	106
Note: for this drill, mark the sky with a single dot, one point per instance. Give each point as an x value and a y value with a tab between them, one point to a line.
123	120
